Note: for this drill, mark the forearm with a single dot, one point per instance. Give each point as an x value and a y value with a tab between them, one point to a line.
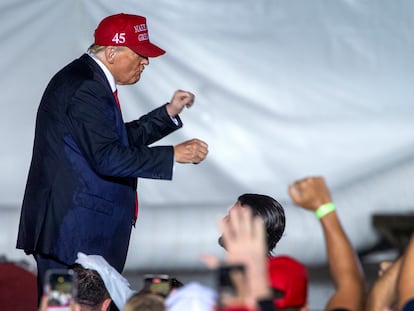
344	265
382	294
257	275
151	127
312	193
405	285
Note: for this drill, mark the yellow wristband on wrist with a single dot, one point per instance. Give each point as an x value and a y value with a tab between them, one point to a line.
324	210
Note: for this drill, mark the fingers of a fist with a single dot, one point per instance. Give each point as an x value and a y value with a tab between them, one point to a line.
310	192
294	193
187	100
194	151
198	149
301	188
184	98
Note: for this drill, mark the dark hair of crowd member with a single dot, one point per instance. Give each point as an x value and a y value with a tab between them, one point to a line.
272	213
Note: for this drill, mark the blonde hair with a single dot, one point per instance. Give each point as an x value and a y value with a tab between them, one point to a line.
95	49
145	302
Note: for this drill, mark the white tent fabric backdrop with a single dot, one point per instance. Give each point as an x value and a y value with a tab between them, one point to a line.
284	89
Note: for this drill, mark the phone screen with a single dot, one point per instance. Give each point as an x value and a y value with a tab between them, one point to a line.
231	287
159	284
60	289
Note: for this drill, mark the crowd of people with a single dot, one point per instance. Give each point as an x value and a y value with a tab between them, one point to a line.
268	281
81	203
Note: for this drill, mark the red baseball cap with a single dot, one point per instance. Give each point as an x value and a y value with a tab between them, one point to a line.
291	278
126	30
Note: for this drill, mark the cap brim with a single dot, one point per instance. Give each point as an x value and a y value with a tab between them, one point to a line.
148	50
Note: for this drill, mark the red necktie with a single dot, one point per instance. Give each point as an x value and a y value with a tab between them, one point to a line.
117	99
136	194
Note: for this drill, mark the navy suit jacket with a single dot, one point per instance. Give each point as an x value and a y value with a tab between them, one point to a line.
81	186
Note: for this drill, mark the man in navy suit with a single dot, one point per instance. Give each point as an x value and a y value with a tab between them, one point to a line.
81	188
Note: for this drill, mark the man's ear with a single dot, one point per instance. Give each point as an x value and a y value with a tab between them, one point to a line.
110	54
106	304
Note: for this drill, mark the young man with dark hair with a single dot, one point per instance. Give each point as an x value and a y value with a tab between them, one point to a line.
92	294
268	209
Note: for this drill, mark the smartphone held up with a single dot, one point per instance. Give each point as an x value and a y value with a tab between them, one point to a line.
231	288
60	289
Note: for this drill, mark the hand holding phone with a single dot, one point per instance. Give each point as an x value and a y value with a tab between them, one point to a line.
231	288
158	284
60	289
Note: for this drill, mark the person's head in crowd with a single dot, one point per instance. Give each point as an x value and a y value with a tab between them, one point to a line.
270	210
145	302
115	284
92	294
289	281
191	297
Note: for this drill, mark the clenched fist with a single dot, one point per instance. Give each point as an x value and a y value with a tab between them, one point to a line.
310	193
179	100
191	151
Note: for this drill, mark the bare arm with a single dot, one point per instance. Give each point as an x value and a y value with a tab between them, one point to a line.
382	294
405	284
345	269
